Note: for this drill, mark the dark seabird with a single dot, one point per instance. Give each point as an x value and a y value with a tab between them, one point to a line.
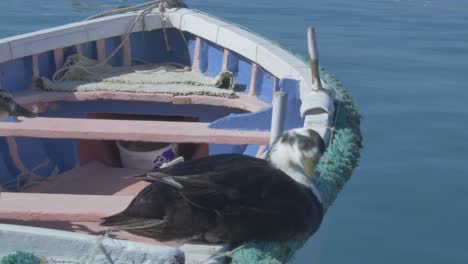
232	198
8	107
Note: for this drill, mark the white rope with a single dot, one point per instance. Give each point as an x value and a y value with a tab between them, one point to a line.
162	10
30	173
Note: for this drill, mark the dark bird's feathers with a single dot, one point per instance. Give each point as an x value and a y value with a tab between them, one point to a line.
224	198
8	107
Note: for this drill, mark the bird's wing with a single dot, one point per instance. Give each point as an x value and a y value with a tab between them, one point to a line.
243	187
125	222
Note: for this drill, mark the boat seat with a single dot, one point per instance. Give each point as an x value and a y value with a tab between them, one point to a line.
76	201
132	130
243	101
60	207
93	178
84	193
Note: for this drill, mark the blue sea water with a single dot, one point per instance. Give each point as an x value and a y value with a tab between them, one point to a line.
405	62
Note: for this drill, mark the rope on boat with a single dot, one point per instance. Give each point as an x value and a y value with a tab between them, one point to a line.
14	153
162	10
88	69
31	176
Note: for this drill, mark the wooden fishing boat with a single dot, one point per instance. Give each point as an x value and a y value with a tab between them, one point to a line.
92	85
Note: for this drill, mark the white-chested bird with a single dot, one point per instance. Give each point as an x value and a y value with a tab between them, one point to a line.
232	198
8	107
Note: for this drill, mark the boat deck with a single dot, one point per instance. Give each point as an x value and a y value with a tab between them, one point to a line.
76	201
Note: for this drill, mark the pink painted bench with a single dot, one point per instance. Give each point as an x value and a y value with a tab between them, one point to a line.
60	207
76	201
85	193
245	102
134	130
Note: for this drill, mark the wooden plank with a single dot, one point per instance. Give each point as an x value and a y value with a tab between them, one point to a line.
245	102
106	180
127	50
76	213
58	58
151	131
181	100
43	207
313	59
196	55
101	49
79	49
253	79
225	60
35	65
275	85
278	115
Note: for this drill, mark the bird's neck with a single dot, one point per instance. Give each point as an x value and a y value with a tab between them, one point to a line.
302	178
298	175
285	158
296	172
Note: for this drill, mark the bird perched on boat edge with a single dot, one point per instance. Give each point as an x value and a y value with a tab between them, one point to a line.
232	198
8	107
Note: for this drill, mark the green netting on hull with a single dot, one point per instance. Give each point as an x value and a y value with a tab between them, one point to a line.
335	168
21	257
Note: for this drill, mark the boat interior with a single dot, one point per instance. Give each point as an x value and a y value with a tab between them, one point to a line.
62	170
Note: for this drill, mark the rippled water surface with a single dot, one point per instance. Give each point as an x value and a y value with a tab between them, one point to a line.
406	64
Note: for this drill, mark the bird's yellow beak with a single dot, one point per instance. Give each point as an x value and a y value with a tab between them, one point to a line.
309	167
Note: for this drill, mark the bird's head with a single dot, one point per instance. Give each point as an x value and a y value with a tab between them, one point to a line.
297	152
5	94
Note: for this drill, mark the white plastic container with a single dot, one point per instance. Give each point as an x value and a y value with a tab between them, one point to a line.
147	160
